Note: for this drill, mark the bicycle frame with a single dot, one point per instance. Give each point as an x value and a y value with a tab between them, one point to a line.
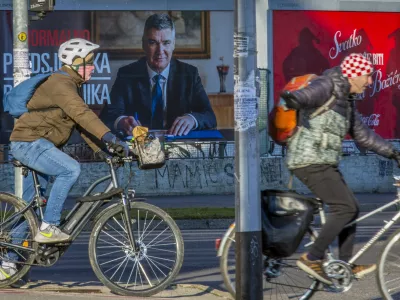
81	213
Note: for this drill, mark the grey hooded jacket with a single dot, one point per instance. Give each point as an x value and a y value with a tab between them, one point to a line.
320	141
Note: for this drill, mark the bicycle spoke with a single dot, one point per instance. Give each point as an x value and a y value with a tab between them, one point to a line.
149	244
130	275
393	264
123	271
171	244
394	255
119	224
144	225
112	268
111	261
108	253
126	258
160	258
152	260
117	231
152	229
103	247
107	242
114	238
145	274
156	259
20	254
138	224
149	263
5	213
393	289
163	250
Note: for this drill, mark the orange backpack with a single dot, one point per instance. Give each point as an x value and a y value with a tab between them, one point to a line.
283	121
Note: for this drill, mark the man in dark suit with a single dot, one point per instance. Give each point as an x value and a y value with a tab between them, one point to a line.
158	91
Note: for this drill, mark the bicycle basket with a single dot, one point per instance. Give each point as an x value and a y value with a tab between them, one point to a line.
285	219
149	150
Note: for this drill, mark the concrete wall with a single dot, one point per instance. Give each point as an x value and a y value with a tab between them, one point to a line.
366	174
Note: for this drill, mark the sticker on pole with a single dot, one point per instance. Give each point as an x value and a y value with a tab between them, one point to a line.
21	65
22	36
240	45
246	103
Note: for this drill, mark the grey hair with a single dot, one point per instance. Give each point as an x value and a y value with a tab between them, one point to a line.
159	22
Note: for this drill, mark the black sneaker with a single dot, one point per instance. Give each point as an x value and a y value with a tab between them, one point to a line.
314	268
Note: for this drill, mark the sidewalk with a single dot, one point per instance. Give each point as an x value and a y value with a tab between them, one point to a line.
46	290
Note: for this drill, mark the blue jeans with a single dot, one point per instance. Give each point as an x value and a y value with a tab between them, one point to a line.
42	156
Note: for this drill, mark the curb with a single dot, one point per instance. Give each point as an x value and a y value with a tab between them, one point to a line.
42	286
210	290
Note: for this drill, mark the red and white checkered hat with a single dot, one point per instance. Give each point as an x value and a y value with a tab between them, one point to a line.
355	65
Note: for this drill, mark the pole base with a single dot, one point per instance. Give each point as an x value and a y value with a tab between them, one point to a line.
249	257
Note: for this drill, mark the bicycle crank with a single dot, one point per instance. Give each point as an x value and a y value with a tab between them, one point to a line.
47	255
340	274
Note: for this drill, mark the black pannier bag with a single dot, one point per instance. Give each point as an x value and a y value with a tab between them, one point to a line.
285	217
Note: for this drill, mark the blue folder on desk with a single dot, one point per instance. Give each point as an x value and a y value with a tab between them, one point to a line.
198	135
193	135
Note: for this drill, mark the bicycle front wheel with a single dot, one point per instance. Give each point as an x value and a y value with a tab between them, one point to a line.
282	278
389	268
129	273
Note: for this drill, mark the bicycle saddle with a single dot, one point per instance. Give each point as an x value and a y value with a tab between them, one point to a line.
19	164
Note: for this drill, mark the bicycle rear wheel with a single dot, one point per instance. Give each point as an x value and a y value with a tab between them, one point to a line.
282	278
19	230
389	268
147	272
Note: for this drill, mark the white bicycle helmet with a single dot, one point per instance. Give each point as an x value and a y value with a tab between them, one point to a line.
73	48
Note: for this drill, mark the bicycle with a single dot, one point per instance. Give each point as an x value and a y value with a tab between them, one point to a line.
284	278
135	249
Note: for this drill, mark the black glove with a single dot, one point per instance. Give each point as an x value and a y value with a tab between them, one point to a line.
396	157
115	145
100	154
290	99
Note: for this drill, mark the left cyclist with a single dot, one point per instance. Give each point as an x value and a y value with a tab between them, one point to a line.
54	111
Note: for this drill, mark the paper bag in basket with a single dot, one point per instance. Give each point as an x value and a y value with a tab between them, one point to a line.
148	149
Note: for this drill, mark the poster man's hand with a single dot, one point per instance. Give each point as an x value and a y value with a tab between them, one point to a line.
127	124
182	125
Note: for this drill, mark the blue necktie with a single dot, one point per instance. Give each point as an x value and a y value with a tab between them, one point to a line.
157	105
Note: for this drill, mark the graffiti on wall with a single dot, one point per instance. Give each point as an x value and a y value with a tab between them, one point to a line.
194	174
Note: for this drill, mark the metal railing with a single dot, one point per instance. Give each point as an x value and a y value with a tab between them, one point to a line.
196	150
174	150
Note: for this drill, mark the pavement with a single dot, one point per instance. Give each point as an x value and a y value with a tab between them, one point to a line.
46	290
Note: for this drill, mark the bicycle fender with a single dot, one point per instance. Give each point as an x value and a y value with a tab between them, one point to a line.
12	195
225	239
104	210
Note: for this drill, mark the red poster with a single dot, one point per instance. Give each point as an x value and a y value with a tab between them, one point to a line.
312	41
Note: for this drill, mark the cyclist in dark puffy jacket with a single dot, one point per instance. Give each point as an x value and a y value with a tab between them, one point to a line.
314	152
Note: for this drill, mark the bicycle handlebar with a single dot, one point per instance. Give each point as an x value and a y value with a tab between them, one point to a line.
117	159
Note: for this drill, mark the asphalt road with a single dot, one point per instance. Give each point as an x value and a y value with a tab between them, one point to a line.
366	201
200	265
